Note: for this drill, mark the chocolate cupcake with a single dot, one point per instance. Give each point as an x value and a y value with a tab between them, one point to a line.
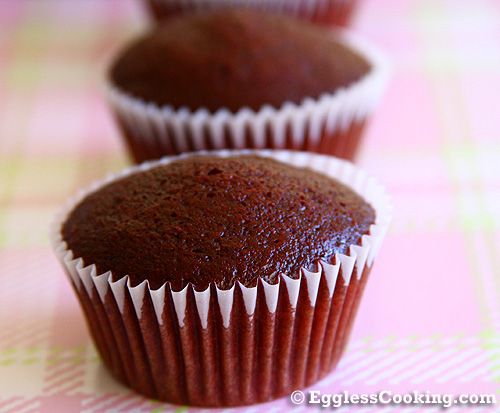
194	270
241	79
329	12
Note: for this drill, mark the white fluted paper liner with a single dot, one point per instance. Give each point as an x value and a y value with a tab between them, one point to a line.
331	124
308	317
322	11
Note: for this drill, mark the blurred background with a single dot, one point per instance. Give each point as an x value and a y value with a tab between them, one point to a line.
430	319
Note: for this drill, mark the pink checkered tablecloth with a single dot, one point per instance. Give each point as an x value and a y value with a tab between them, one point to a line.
430	319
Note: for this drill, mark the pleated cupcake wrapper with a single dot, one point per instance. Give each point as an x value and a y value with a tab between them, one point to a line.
228	347
331	124
322	11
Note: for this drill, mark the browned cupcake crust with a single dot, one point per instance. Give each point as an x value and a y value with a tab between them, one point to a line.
233	59
209	219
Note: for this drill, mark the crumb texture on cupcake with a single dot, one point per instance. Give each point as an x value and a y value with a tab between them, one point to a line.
210	219
235	59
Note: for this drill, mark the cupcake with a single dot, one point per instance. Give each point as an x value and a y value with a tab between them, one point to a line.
329	12
241	79
224	278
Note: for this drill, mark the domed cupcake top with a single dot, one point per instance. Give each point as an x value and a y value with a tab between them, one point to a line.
207	219
235	59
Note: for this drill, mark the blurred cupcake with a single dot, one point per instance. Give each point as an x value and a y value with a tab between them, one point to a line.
240	79
328	12
193	270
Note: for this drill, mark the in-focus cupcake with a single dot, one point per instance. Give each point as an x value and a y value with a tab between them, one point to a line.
327	12
226	278
241	79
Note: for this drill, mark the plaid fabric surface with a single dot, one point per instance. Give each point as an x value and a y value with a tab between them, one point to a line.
430	318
